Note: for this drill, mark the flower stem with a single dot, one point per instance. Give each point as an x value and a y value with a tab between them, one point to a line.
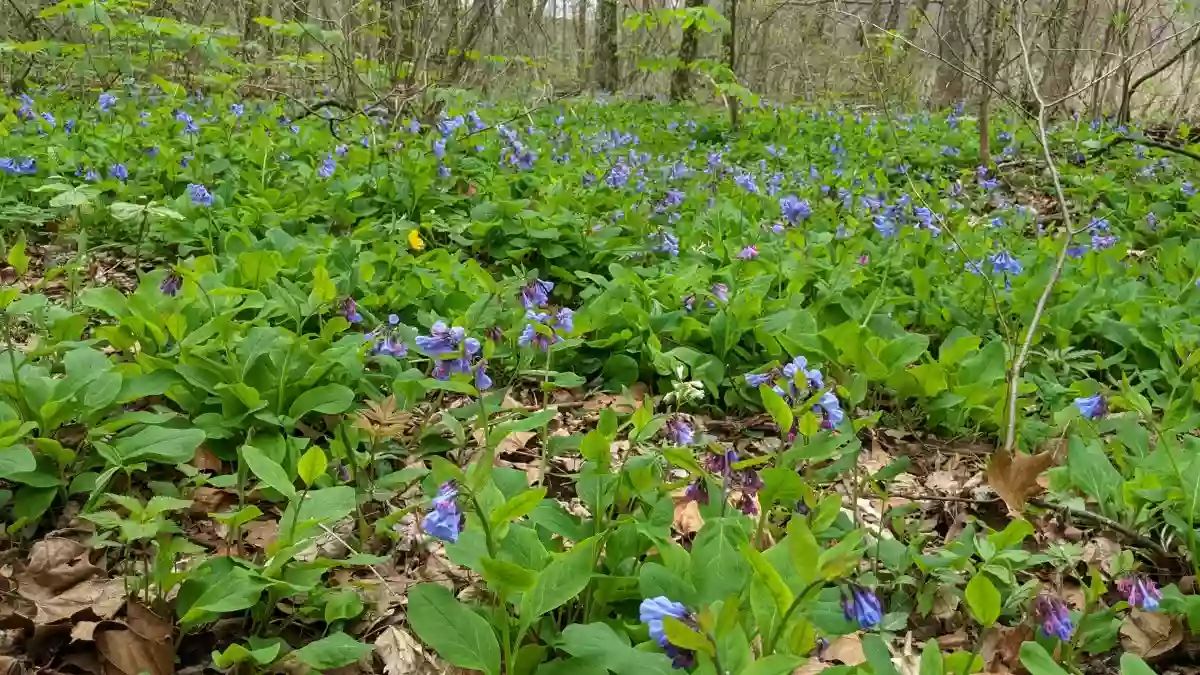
778	632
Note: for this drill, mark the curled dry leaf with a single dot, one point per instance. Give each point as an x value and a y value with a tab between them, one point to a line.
1015	476
688	520
83	631
205	460
400	653
104	597
56	563
1150	634
124	652
847	650
1101	552
1001	647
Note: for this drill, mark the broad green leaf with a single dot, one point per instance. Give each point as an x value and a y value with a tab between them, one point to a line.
562	580
312	465
983	600
327	400
682	635
16	459
779	410
598	641
268	471
517	507
342	605
17	258
769	576
232	592
931	659
775	664
718	568
878	655
1132	665
332	651
159	444
507	576
1091	471
456	633
1039	662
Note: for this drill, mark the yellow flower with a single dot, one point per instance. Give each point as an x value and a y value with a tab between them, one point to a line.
415	241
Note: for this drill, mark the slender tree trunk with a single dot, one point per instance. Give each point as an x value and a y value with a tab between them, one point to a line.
893	17
481	14
948	88
581	40
607	73
681	79
731	60
989	77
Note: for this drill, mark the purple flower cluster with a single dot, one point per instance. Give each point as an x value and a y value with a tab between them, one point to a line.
445	521
171	284
1052	614
746	481
1092	407
385	339
18	167
200	195
680	431
349	310
794	209
862	606
666	242
1139	592
545	328
536	293
106	101
794	382
454	353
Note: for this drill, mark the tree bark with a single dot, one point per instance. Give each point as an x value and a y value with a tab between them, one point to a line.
481	15
607	67
989	77
731	61
681	79
581	39
948	88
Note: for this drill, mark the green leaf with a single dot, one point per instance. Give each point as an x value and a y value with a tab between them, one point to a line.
106	299
159	444
333	651
268	471
563	579
781	485
17	256
682	635
342	605
456	633
599	642
1091	471
878	655
718	568
776	664
931	659
769	576
233	592
1132	665
517	507
507	576
312	465
327	400
780	411
1035	658
903	351
983	599
16	459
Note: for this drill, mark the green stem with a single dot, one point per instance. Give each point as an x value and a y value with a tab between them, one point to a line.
974	652
778	632
545	459
12	364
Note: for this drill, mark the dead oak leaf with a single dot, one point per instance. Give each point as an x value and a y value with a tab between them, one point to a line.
1150	634
847	650
400	653
1014	477
56	563
124	652
687	520
104	597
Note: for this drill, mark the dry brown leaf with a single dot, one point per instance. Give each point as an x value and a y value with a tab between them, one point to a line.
515	441
1150	634
56	563
953	641
126	653
83	662
1002	647
261	533
205	460
400	653
83	631
104	597
847	649
687	517
1101	552
147	624
206	500
945	603
1074	595
811	667
1014	477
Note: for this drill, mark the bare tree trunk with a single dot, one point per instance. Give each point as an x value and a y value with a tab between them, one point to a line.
607	73
1129	88
481	15
681	79
731	60
948	88
893	17
989	76
581	39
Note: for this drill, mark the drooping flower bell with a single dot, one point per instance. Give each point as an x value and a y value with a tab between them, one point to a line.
653	612
1092	407
679	431
1051	612
536	293
349	309
862	606
1139	591
445	521
171	284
